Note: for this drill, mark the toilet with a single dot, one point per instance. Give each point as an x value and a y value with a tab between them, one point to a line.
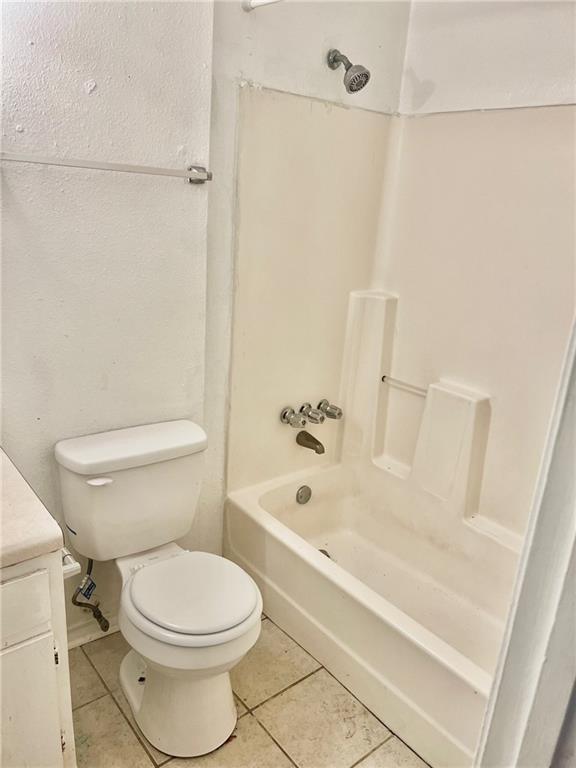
188	616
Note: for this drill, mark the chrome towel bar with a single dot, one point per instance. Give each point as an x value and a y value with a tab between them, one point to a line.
195	174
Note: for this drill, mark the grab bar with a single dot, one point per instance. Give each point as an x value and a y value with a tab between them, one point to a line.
399	384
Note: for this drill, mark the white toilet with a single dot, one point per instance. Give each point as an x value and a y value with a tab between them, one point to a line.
188	616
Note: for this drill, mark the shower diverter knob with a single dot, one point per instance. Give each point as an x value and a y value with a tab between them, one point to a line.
289	416
313	415
331	411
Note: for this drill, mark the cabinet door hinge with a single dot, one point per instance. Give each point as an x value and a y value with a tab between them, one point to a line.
56	657
62	741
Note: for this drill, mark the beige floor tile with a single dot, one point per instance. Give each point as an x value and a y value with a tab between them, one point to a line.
240	708
157	756
106	655
393	754
249	747
84	682
320	724
274	663
104	739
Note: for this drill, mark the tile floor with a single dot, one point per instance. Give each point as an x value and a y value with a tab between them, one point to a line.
291	712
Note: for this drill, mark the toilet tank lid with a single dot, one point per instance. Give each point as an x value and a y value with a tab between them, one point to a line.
131	447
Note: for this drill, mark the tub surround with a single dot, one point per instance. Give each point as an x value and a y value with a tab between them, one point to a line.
418	445
295	273
28	529
422	496
411	561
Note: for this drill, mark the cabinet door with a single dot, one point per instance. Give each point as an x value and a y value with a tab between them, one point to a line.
30	716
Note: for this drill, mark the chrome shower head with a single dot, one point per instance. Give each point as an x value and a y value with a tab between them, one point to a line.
355	77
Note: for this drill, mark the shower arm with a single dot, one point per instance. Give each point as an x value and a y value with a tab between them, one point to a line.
335	58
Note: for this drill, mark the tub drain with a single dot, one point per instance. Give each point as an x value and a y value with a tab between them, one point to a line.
325	552
303	494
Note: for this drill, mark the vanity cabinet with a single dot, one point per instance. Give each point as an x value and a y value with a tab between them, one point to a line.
36	708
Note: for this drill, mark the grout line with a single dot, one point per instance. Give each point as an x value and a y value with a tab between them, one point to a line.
379	720
251	710
138	736
411	750
111	694
280	747
278	693
85	704
351	694
238	700
295	641
371	752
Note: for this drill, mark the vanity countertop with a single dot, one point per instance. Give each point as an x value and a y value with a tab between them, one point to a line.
28	529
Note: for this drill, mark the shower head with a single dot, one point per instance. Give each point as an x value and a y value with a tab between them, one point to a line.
355	77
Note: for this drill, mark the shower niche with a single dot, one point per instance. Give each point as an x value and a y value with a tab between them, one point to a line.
422	444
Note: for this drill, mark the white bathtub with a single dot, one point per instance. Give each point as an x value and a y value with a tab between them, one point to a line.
409	626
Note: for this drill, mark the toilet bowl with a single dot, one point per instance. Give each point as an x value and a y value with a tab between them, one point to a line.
189	617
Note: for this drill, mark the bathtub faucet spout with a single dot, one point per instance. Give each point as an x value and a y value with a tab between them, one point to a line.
306	440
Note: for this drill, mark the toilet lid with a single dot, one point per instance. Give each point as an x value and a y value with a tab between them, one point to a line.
195	593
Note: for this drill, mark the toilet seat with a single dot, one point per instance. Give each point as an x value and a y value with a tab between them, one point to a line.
196	593
154	629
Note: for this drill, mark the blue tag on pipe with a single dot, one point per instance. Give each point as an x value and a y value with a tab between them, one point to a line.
88	587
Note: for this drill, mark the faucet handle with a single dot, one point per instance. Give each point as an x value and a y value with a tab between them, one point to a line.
313	415
330	410
289	416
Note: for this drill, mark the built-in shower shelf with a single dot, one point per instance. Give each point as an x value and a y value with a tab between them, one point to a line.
393	466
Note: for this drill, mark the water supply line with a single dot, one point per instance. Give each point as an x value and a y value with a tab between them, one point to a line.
86	588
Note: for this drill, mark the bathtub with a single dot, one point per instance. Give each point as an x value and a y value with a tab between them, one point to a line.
406	624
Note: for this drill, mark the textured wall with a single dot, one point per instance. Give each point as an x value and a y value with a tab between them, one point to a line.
125	82
284	46
104	274
488	55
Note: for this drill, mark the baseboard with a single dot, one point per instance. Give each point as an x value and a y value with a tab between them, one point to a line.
86	631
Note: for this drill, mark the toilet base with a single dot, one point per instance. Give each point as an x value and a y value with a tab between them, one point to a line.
184	714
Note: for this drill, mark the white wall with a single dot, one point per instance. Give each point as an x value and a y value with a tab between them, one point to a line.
284	46
104	274
488	55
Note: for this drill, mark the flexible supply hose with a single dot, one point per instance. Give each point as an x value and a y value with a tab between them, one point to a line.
96	612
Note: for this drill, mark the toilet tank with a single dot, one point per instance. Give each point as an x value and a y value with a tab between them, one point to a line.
129	490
